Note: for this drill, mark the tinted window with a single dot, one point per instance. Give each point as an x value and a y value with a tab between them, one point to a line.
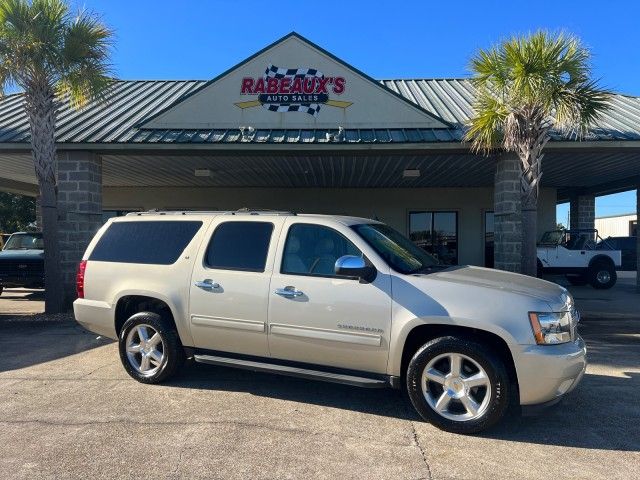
155	242
314	249
240	246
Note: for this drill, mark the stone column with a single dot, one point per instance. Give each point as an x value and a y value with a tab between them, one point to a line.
80	210
582	212
507	215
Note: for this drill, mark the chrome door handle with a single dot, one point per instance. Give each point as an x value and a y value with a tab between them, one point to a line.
288	292
207	284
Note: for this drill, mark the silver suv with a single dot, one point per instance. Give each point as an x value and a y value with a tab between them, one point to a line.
338	299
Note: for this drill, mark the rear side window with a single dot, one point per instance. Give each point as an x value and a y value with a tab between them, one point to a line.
154	242
240	246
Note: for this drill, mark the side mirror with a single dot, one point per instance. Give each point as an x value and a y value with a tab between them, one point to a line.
352	266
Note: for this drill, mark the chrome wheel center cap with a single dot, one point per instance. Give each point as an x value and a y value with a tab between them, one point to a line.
455	387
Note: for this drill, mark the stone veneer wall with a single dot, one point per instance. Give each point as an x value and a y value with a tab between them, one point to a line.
80	210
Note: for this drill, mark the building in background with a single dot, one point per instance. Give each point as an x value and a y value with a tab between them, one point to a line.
625	225
295	128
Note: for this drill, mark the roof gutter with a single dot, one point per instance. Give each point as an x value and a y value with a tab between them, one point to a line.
314	147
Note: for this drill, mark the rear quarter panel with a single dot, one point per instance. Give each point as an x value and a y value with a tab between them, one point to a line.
107	282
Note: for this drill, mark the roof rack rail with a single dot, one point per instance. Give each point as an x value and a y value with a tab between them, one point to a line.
242	211
259	211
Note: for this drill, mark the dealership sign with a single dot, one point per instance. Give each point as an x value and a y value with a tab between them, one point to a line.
293	90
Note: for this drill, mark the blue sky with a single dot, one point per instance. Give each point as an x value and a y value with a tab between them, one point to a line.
198	39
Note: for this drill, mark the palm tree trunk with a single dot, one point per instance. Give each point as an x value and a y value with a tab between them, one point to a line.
530	183
529	237
41	109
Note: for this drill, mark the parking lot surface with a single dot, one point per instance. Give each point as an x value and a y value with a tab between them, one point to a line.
68	410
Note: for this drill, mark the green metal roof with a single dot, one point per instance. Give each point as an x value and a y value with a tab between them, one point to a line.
129	103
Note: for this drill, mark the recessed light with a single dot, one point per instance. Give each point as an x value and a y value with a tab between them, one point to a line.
411	173
202	172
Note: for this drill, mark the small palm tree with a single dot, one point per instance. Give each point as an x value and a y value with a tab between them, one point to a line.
53	56
526	87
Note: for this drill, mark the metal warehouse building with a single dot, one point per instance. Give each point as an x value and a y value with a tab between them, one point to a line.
295	128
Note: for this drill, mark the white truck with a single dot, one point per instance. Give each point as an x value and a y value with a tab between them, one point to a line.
581	255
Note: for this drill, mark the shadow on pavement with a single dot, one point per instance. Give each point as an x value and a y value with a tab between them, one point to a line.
383	402
602	413
597	415
25	342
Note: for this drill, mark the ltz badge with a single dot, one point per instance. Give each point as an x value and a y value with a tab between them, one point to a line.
293	90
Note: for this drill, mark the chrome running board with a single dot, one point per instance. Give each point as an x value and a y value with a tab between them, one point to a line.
347	379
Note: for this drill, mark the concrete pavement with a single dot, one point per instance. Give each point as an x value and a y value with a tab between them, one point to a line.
68	410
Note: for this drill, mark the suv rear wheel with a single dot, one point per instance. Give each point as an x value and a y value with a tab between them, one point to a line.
458	385
150	349
602	275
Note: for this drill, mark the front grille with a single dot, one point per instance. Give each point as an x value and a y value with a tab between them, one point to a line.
21	268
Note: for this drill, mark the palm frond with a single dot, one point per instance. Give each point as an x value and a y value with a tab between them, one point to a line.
485	130
43	47
84	59
541	81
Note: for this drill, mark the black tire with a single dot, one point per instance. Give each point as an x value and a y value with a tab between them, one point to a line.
602	275
1	289
577	280
173	352
494	367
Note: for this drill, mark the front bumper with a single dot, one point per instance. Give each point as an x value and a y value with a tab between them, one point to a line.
548	372
13	281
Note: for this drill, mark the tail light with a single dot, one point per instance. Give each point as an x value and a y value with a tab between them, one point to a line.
80	278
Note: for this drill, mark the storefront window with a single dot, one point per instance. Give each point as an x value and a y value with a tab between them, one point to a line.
488	239
436	233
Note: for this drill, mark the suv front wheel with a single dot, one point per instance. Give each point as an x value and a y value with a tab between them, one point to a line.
150	349
458	385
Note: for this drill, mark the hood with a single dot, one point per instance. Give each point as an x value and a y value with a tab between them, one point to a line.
556	296
17	255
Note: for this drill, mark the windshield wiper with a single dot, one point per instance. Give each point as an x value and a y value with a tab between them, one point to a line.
429	269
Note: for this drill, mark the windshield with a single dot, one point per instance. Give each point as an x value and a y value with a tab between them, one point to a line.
396	249
25	241
552	238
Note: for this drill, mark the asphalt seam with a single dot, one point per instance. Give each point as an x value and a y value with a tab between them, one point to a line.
416	441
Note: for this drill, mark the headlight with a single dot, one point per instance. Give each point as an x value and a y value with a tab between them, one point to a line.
553	327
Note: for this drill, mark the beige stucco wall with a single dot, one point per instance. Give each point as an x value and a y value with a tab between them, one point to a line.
388	205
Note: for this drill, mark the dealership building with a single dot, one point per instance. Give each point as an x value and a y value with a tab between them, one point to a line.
295	128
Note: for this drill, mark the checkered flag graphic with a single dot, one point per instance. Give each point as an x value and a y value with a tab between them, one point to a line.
276	72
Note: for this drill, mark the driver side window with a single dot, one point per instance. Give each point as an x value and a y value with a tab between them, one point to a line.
314	249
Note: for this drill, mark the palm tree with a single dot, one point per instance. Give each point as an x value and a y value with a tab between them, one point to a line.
526	87
52	56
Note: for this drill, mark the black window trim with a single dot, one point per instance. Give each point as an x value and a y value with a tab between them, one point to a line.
206	266
341	277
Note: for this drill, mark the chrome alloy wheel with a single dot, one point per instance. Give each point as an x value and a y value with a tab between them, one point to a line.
456	387
603	276
145	349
